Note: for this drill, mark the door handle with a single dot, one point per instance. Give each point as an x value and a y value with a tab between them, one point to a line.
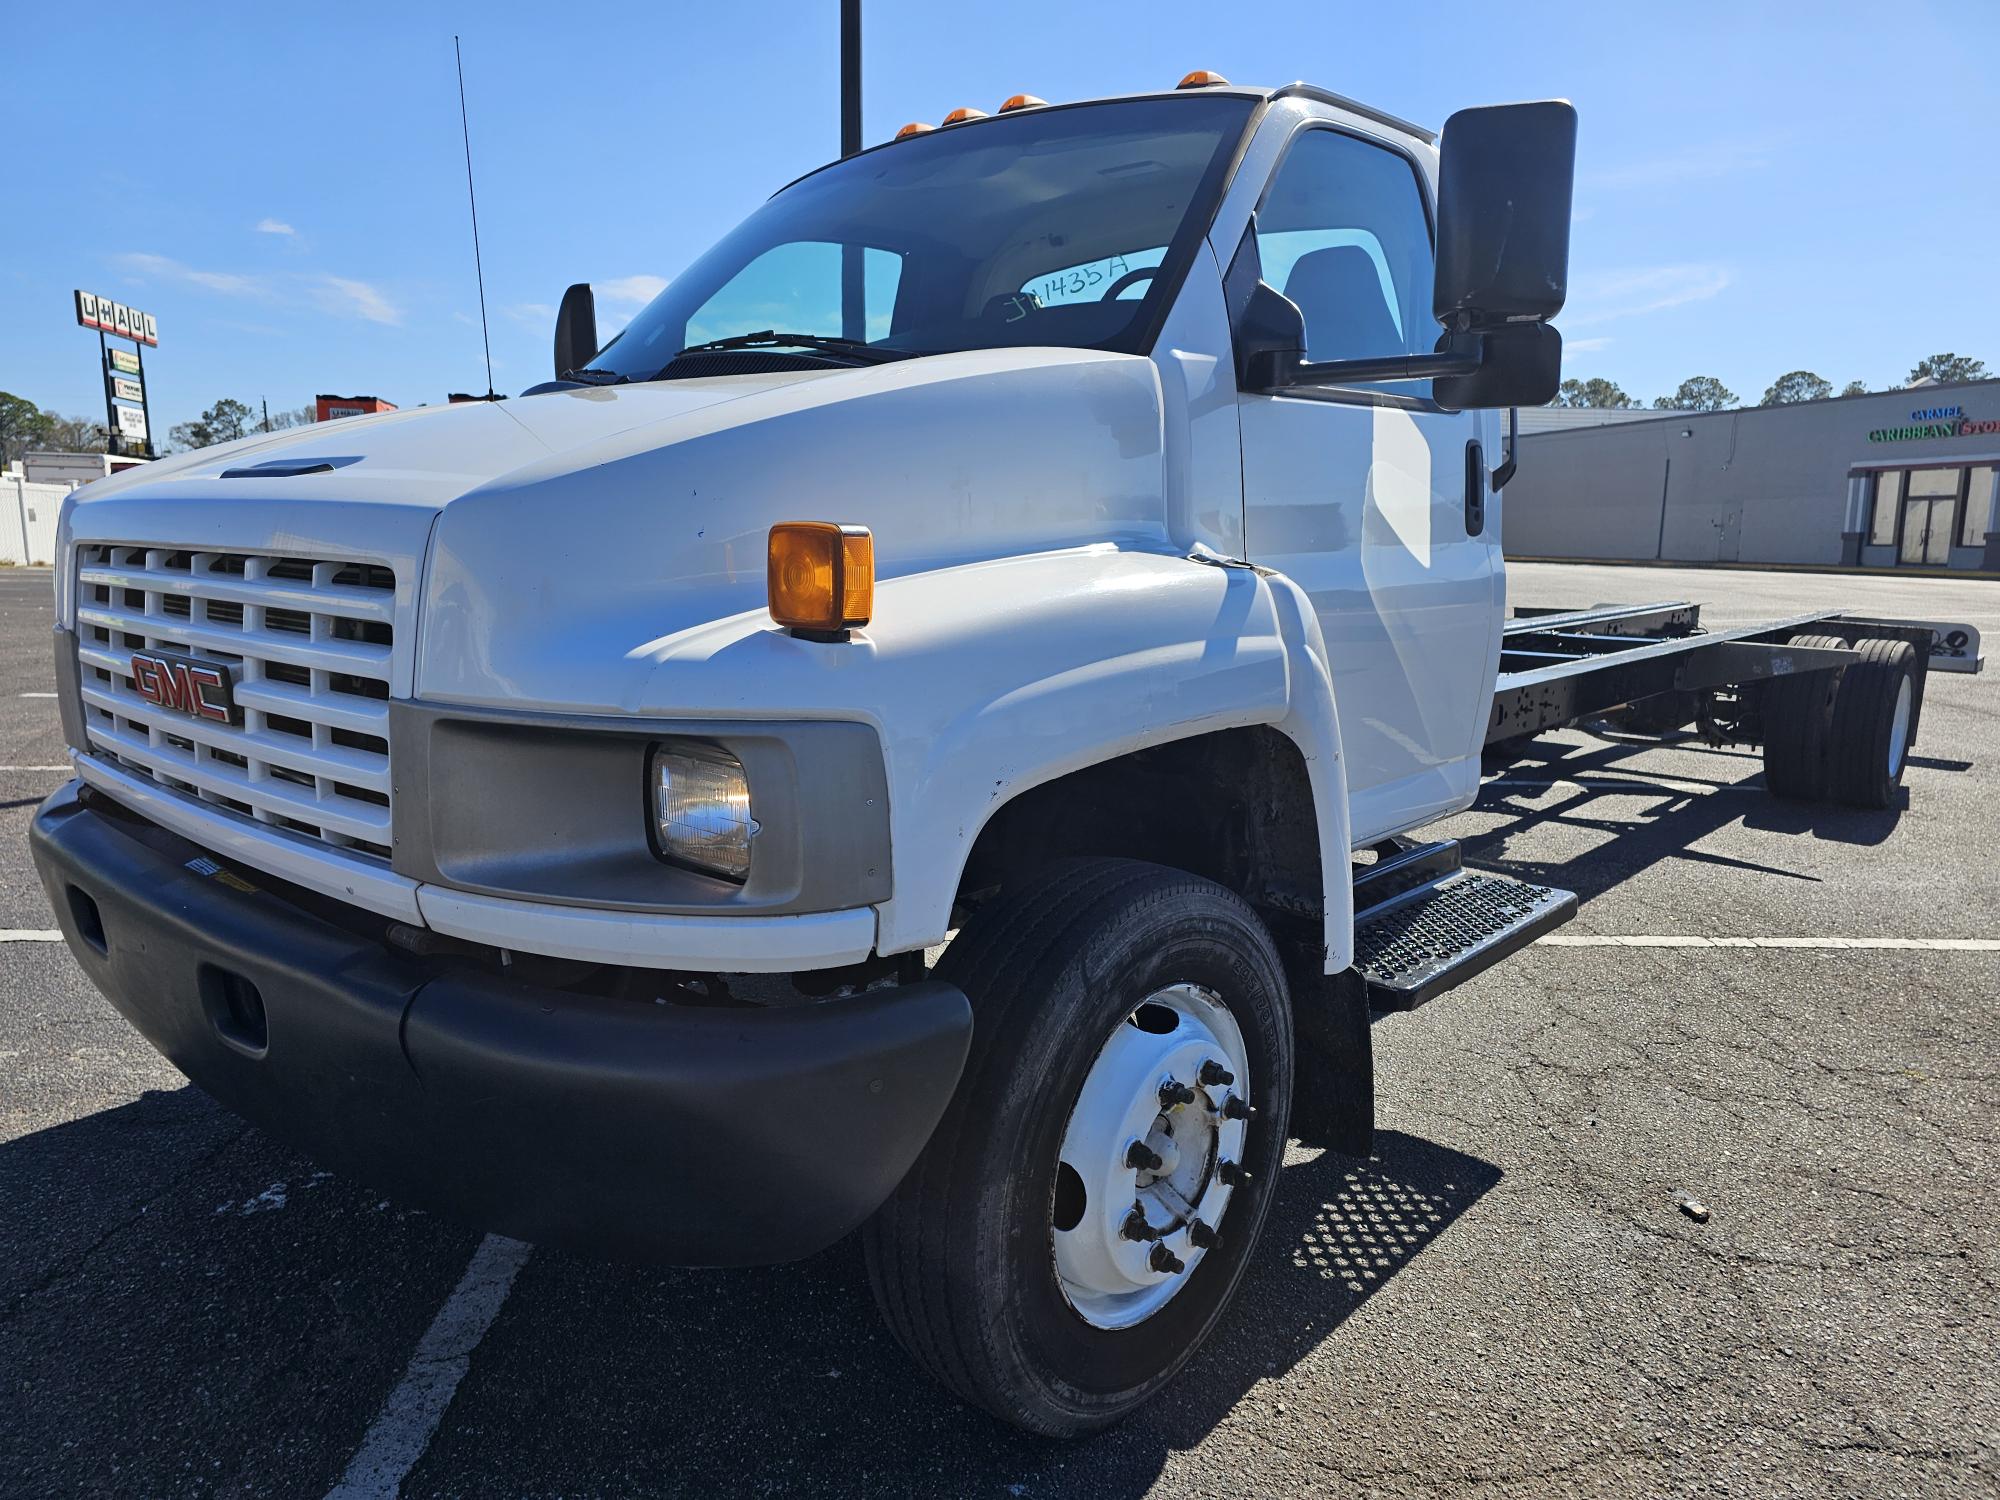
1475	489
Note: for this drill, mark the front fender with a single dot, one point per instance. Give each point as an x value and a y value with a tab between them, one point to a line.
991	678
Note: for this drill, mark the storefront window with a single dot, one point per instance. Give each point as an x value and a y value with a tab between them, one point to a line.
1978	506
1888	490
1934	482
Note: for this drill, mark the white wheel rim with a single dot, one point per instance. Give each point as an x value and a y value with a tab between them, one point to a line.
1110	1278
1899	730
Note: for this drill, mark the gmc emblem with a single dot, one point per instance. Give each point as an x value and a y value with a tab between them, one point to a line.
199	689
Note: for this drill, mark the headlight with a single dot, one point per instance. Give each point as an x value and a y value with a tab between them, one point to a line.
701	809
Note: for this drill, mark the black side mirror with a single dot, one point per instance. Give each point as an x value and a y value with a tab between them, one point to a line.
1270	338
1504	182
1505	176
576	329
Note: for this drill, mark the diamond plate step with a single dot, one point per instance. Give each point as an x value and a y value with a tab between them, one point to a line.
1416	945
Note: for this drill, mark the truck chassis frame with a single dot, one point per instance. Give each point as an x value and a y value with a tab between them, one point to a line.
1561	667
1424	923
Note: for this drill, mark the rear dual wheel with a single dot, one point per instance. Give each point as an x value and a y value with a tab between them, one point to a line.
1090	1201
1873	714
1842	736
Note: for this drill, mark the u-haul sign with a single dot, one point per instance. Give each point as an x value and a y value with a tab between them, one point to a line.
101	313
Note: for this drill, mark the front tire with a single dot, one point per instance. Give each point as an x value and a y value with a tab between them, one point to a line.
996	1263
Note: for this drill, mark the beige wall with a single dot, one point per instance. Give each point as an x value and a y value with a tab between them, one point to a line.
1766	485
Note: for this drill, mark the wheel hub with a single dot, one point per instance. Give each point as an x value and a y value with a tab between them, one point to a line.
1143	1153
1899	730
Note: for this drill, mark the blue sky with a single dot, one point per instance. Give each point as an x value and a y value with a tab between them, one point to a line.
1760	188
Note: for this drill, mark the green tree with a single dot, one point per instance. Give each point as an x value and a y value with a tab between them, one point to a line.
1698	393
1854	388
1797	385
224	422
1595	391
23	425
75	434
1944	368
303	416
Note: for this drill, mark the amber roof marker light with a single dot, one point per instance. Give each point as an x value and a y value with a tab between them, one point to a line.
821	578
1022	101
1201	78
915	127
963	113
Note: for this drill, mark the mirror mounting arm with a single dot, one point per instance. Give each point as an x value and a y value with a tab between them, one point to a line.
1466	356
1392	368
1500	476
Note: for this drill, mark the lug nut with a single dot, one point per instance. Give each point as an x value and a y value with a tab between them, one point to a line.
1213	1072
1201	1235
1143	1157
1233	1108
1163	1259
1174	1092
1232	1173
1135	1226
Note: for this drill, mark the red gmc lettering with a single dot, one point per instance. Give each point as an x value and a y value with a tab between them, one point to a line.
184	687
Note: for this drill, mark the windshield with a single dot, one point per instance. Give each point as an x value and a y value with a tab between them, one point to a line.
1066	226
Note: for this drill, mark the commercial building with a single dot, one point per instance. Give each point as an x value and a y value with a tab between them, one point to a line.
72	469
327	408
1906	479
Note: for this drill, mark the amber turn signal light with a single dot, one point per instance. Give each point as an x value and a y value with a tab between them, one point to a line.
822	576
1201	78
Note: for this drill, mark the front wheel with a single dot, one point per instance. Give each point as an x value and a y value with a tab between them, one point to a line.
1091	1199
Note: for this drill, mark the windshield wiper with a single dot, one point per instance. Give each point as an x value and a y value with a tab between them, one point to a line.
595	377
770	338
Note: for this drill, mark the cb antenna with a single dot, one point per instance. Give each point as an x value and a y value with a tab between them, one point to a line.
470	197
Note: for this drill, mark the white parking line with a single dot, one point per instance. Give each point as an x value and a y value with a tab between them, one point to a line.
29	935
38	695
1631	784
402	1430
37	768
1921	945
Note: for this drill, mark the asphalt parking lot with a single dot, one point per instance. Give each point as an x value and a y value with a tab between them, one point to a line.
1506	1300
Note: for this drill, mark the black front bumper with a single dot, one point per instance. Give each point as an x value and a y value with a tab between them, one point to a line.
695	1135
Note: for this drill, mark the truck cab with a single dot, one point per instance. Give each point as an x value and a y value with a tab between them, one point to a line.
1059	538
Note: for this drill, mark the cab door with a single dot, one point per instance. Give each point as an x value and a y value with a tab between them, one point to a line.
1372	498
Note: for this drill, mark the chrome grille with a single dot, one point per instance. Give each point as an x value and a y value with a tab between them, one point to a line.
311	641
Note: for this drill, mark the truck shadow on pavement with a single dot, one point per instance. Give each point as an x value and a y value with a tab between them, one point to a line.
186	1290
188	1307
783	1379
1654	816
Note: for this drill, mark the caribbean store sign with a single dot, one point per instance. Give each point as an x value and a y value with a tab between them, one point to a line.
1936	422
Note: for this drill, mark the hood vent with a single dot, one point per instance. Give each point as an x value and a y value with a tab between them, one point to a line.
290	468
704	363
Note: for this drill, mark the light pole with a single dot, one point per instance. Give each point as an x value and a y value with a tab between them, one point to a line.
850	77
853	295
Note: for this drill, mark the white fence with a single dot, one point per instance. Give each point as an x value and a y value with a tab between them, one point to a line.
28	520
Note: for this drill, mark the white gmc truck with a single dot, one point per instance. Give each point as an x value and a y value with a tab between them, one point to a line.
1071	535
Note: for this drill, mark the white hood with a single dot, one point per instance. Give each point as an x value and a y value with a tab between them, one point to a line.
427	455
556	534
